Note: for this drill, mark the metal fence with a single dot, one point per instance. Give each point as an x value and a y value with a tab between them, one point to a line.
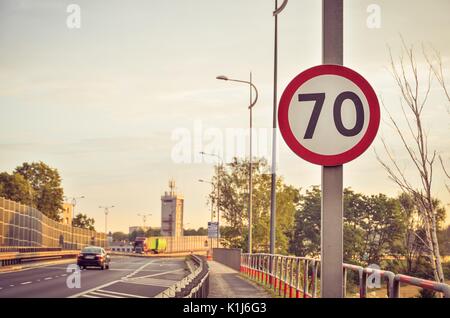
21	225
298	277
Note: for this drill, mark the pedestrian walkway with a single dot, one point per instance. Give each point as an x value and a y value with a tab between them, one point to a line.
225	282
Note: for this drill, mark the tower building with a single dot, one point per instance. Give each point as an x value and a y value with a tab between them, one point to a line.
172	207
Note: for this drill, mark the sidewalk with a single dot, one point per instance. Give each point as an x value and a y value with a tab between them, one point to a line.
225	282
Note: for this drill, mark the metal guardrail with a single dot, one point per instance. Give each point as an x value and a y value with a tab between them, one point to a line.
292	276
14	258
26	249
195	285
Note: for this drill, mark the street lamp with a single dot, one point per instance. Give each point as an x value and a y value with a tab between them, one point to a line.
212	210
219	170
250	182
144	218
106	210
273	192
74	204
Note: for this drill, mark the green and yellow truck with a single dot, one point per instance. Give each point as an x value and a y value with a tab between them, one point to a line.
146	245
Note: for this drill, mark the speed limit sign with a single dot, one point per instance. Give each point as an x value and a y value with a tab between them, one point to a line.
329	115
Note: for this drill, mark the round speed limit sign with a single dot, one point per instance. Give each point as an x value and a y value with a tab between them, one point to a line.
329	115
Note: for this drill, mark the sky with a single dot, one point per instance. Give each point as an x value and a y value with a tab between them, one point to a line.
106	103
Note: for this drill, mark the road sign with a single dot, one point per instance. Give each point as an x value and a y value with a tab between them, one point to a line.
213	229
329	115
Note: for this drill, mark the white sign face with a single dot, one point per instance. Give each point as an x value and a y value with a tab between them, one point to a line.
212	230
329	115
322	136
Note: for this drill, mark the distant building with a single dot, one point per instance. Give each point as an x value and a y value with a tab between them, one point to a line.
67	214
131	229
172	207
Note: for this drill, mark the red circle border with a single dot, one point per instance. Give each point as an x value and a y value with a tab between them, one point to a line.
352	153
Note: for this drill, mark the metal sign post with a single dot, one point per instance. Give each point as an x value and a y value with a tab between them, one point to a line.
331	277
329	115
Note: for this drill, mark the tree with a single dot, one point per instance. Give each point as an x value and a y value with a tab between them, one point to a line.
305	240
119	237
233	202
16	188
136	233
153	232
414	139
83	222
46	183
372	226
383	225
193	232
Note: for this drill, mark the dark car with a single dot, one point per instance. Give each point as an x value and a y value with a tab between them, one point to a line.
93	256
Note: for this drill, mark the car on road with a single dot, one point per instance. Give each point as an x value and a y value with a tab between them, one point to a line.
93	256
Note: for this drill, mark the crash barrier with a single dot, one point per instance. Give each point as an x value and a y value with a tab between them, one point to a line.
230	257
195	285
20	249
15	258
123	249
21	225
297	277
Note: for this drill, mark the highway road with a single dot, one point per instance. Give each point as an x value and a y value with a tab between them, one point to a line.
127	277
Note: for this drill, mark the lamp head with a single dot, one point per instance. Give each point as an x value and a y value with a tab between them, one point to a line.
222	77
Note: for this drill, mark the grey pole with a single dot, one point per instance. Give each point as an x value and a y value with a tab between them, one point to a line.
218	205
250	181
212	219
106	211
212	206
331	278
273	191
252	103
74	203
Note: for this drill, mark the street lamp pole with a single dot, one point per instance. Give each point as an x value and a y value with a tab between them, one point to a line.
74	204
219	170
212	207
106	210
250	182
273	192
144	218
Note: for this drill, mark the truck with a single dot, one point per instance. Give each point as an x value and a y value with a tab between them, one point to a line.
146	245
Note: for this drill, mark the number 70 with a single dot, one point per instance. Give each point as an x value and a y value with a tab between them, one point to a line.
319	99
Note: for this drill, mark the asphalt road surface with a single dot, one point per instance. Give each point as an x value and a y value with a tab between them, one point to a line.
128	277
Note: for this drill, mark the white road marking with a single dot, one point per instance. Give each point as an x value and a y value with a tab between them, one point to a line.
104	295
93	289
88	296
124	279
154	282
153	275
11	285
122	294
139	269
25	283
64	275
48	278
